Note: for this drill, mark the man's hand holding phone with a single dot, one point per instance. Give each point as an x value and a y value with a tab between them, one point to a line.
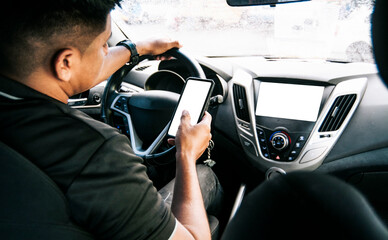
192	140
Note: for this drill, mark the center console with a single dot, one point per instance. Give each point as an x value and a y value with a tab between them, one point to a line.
291	124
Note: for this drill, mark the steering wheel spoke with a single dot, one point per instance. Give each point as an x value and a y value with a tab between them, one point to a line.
148	111
120	106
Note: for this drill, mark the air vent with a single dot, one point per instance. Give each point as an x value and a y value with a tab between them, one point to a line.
338	112
240	102
142	68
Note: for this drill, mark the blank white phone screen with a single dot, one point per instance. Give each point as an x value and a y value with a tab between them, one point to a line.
193	99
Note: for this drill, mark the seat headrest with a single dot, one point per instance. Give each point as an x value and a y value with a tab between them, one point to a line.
380	37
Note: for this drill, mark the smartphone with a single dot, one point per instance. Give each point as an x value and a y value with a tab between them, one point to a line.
195	99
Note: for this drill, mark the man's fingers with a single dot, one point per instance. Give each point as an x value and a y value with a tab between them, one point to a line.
171	141
171	44
163	57
185	118
156	46
175	44
207	119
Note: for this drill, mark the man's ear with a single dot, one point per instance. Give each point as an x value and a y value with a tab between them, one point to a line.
64	63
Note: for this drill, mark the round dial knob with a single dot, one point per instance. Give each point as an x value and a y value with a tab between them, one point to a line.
279	141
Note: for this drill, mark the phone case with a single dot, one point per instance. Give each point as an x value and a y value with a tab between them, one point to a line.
206	103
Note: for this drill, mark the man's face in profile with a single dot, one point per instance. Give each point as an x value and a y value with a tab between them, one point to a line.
86	73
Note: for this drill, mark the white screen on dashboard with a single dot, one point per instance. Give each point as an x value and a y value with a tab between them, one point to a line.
290	101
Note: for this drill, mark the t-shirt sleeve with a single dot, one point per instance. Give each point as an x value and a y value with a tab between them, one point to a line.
113	197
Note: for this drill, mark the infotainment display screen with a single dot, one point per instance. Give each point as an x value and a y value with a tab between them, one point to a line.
290	101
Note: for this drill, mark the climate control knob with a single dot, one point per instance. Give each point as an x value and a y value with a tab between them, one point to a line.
279	141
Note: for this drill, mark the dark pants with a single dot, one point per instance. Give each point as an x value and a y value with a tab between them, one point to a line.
210	187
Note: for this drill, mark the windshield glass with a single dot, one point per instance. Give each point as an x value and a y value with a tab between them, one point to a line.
336	30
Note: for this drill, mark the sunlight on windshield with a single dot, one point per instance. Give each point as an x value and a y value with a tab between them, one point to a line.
319	29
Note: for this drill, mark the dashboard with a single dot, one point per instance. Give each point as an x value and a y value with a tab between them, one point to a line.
284	115
299	115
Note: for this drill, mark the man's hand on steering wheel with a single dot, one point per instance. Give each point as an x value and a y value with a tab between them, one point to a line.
156	47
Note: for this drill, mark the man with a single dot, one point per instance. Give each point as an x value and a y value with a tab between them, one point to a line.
51	50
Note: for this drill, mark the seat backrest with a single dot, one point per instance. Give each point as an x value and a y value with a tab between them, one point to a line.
380	38
32	206
305	205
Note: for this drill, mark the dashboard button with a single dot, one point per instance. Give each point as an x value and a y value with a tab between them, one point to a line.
294	153
247	143
260	133
279	141
301	138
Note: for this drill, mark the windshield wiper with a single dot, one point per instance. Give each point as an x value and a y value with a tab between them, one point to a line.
333	60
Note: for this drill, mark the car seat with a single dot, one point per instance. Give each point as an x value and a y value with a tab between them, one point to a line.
32	206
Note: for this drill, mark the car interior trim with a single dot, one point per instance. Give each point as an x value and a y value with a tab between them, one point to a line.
238	200
10	96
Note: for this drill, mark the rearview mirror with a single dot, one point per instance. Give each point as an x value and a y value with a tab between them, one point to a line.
237	3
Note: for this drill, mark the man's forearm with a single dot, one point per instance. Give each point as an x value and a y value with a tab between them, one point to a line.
187	204
116	58
119	55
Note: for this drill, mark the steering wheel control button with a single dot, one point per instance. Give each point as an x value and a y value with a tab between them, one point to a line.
122	104
312	154
121	124
279	141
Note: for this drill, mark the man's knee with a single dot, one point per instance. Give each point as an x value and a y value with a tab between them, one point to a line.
210	188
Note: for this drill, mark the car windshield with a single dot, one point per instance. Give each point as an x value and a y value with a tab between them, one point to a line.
335	30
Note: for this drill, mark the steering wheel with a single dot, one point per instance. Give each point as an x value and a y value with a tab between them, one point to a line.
147	112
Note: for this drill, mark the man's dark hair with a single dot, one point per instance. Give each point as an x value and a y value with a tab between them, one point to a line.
32	31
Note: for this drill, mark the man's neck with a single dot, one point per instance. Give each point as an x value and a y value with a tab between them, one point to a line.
45	84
